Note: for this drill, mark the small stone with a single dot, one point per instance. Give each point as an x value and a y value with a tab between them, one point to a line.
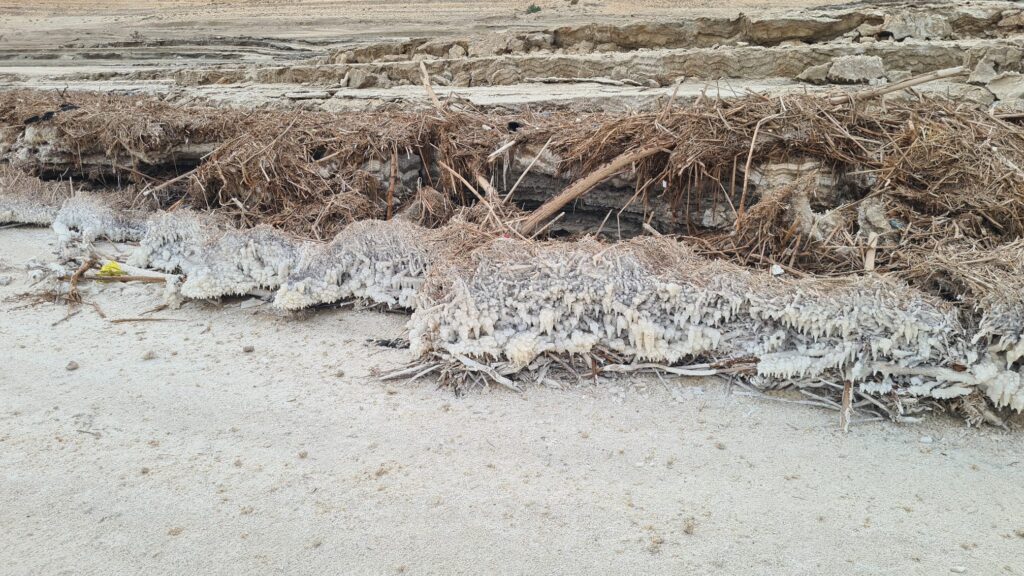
311	95
958	569
584	47
251	303
777	270
917	25
361	78
339	374
1012	21
868	30
983	73
71	366
856	69
248	348
457	51
815	74
1007	86
303	454
149	355
926	440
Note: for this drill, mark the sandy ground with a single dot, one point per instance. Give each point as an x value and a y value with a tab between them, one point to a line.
171	450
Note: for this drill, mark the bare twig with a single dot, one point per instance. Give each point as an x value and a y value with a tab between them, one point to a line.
525	172
152	279
909	82
584	185
847	412
428	88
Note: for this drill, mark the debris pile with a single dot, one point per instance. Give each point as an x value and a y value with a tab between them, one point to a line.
794	240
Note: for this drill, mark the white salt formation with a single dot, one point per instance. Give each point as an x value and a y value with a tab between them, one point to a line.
19	208
85	218
217	259
654	300
994	284
240	261
383	262
175	241
378	261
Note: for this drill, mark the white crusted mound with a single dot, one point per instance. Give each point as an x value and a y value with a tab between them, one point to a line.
653	299
175	241
1001	300
384	262
24	209
86	218
25	199
217	259
237	262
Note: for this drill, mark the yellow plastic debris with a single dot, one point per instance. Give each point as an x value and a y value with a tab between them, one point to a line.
111	269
